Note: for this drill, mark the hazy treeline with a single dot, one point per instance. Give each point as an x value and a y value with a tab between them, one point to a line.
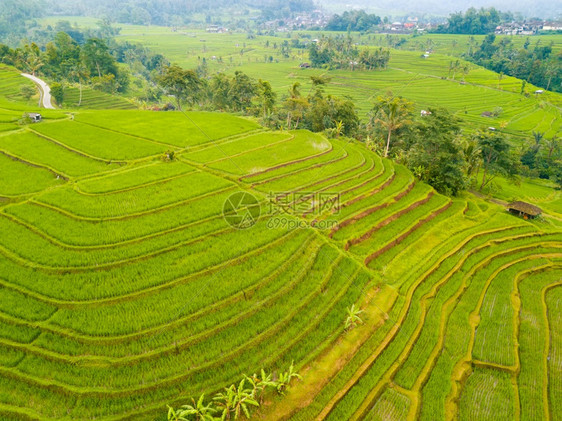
356	20
532	63
169	12
474	21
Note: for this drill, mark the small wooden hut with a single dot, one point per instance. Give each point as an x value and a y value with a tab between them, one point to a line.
523	209
34	117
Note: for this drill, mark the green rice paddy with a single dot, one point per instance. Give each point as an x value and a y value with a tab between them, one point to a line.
124	289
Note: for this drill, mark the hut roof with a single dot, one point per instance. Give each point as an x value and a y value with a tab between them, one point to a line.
525	208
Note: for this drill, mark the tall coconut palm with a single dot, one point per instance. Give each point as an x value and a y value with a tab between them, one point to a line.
392	112
80	73
500	77
553	145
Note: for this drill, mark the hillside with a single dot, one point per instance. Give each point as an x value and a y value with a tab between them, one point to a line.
127	283
426	81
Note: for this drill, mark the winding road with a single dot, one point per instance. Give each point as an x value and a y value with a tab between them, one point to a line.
44	91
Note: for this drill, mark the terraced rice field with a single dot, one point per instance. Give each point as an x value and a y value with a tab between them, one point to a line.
427	82
92	99
124	288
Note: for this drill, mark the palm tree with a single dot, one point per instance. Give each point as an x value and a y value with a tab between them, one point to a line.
552	145
454	67
267	96
465	71
79	72
353	318
500	77
550	71
537	136
391	113
199	410
471	42
429	44
294	90
454	43
33	58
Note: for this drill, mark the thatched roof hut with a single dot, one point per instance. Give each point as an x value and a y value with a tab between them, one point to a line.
524	209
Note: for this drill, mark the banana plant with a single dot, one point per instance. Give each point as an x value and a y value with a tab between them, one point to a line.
338	129
260	383
199	411
244	398
353	318
285	378
225	402
178	415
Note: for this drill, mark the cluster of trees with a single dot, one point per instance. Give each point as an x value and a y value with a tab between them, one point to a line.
316	111
433	146
240	93
14	14
474	21
236	401
541	157
221	92
356	20
438	152
72	58
341	53
536	65
64	59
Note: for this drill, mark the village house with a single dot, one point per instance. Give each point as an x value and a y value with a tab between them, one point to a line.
552	26
216	29
518	28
